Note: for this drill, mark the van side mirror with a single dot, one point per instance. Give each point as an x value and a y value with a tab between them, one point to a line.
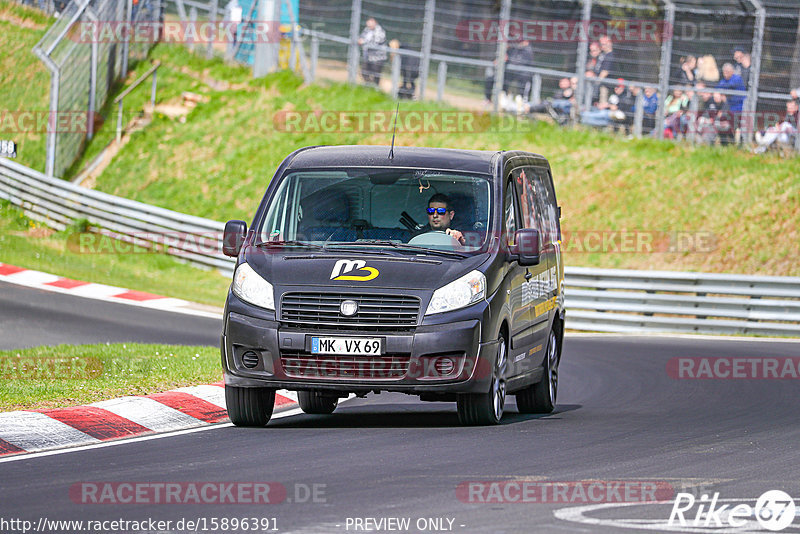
525	249
233	237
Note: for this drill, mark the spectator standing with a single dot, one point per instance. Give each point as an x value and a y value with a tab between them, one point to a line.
409	71
744	69
733	82
687	76
372	41
605	64
519	83
649	108
707	70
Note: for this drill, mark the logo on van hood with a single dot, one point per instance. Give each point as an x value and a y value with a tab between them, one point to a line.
345	266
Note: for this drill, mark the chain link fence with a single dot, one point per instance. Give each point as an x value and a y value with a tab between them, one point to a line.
85	67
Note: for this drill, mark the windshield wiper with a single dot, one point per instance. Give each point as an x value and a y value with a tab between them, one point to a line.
290	243
406	246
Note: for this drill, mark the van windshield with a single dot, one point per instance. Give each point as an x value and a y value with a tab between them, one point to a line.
392	208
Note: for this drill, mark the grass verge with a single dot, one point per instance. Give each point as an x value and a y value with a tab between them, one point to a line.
28	244
69	375
217	163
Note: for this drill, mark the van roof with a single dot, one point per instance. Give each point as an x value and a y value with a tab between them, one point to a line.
479	161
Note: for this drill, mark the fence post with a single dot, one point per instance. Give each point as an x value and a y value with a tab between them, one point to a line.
126	41
212	18
153	91
427	38
395	74
693	124
352	50
536	90
638	114
755	69
441	79
92	80
265	55
192	22
583	52
666	58
314	57
500	58
181	10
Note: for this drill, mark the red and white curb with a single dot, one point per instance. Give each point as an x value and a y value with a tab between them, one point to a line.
60	284
40	430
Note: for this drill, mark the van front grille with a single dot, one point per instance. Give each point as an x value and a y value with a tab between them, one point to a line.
375	312
301	365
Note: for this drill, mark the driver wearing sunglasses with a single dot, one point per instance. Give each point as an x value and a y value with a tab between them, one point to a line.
440	215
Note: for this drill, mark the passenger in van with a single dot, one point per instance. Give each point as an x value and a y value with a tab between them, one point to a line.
440	215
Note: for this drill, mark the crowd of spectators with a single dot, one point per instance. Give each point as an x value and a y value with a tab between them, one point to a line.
698	103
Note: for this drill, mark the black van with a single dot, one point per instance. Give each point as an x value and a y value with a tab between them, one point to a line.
427	271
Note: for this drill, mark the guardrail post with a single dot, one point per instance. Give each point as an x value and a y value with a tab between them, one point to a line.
395	74
500	56
352	50
441	79
666	58
638	114
427	38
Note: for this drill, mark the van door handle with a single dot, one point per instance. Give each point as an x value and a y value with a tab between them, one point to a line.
528	275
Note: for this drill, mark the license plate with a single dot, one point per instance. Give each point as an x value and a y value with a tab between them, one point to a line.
346	345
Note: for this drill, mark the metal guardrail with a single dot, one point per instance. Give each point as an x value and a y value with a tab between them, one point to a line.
618	300
606	300
58	204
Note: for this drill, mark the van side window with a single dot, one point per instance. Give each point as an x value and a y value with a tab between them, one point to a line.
549	216
510	213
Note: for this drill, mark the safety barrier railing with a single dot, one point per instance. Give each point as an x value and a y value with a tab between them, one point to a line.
606	300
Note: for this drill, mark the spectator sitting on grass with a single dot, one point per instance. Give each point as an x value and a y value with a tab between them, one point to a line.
560	106
783	132
614	108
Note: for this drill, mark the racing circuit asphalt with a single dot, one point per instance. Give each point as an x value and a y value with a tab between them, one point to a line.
619	417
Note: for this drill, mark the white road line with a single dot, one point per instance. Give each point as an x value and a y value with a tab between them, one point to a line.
149	413
97	290
33	431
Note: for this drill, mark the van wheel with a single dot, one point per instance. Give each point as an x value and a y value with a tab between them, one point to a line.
314	402
249	406
541	397
486	408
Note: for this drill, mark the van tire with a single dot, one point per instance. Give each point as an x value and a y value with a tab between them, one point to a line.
480	409
541	397
249	406
313	402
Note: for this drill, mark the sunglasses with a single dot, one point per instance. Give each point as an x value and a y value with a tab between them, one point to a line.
440	211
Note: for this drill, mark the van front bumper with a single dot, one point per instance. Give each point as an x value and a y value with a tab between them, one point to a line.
439	358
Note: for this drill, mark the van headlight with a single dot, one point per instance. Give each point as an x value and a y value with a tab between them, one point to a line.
250	287
467	290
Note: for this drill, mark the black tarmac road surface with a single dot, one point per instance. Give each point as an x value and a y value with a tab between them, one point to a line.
620	417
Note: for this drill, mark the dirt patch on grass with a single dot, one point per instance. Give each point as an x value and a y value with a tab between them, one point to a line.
20	22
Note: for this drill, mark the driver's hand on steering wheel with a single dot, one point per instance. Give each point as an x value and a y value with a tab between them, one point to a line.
457	235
